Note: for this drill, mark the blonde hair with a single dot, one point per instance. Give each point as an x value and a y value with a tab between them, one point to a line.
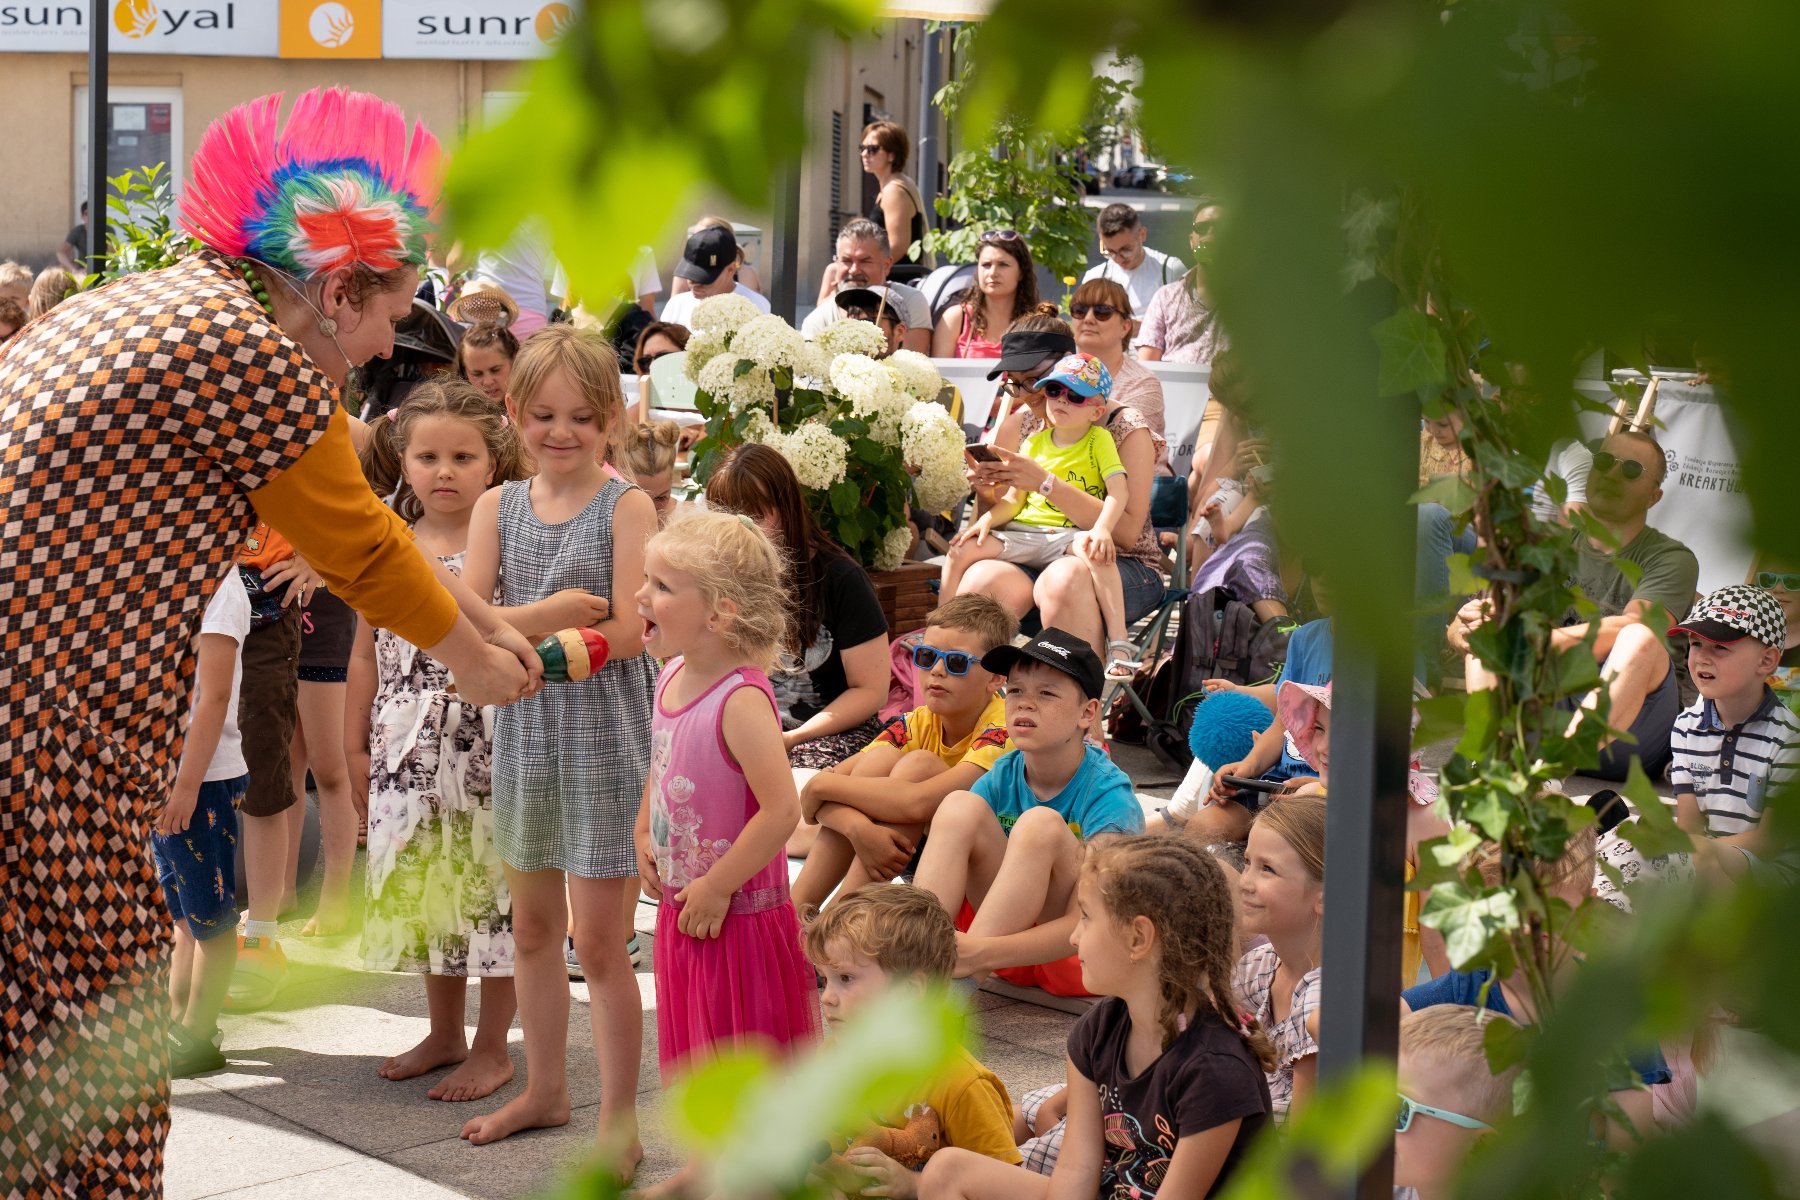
383	456
731	559
901	928
52	286
586	357
1300	822
1452	1037
649	448
1576	863
980	615
15	275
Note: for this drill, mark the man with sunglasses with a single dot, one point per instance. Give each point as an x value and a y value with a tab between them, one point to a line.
1127	261
863	262
1179	324
1635	667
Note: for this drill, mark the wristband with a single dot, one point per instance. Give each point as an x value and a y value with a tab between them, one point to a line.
1049	481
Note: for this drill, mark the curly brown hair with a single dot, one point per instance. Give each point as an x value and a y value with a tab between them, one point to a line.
1183	893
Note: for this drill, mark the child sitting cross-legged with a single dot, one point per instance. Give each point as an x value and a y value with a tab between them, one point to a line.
873	809
887	936
1011	846
1449	1096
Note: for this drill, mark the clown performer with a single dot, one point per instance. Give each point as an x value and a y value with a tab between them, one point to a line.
141	424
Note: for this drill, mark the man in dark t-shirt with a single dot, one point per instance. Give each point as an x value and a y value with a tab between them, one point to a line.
73	253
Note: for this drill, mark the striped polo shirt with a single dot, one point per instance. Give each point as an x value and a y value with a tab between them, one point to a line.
1732	771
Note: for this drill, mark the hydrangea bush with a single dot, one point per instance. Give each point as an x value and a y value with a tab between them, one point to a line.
866	436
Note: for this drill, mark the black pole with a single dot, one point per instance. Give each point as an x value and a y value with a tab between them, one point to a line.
99	213
784	267
925	133
1365	824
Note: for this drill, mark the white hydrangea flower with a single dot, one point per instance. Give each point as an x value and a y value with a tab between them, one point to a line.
919	376
872	389
721	380
769	342
819	457
853	337
726	314
931	444
758	429
702	348
893	548
814	366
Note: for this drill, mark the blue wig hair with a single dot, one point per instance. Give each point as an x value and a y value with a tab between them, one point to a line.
1225	727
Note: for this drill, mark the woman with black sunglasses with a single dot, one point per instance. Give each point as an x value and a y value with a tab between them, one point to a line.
1005	289
899	206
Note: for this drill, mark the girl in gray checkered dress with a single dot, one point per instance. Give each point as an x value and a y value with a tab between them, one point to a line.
570	762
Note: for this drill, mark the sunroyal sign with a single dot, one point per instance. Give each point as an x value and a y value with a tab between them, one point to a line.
453	29
240	28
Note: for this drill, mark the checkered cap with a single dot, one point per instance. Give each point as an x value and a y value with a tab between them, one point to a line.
1737	612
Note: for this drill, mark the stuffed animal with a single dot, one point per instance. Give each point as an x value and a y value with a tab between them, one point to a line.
571	655
909	1145
1225	727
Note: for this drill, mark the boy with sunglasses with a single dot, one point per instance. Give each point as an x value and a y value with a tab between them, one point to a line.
1027	530
873	809
1448	1096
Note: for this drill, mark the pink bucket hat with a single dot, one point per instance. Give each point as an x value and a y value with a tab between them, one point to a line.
1299	703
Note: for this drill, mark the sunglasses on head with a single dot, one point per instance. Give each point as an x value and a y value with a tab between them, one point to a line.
1103	312
956	662
1630	468
1062	391
1002	235
1776	581
1410	1108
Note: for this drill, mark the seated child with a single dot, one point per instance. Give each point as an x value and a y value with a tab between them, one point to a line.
1449	1097
1738	744
195	841
1011	846
879	937
873	809
1029	531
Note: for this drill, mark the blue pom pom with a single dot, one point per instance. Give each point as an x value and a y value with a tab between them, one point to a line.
1225	727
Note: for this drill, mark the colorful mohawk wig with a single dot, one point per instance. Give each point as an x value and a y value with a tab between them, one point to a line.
342	185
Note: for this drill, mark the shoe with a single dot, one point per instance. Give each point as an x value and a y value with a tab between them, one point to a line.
635	951
575	971
190	1055
261	971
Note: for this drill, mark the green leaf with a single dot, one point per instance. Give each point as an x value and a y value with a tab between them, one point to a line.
1470	923
1653	832
1412	353
1439	718
844	497
1451	491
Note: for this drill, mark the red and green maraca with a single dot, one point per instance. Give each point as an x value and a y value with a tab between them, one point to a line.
571	655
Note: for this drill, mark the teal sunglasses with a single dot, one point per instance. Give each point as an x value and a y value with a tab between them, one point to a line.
1410	1108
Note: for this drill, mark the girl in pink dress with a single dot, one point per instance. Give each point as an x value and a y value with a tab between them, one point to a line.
719	802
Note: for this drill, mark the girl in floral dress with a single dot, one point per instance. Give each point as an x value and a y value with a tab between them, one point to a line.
437	897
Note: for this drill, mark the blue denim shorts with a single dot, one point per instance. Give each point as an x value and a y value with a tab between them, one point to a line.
198	867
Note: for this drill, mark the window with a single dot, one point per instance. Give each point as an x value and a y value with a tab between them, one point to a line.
143	128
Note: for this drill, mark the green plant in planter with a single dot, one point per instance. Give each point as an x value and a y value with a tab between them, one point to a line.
866	437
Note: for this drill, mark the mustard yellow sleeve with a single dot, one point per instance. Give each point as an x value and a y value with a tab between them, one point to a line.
323	505
976	1114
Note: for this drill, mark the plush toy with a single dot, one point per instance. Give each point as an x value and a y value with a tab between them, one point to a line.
571	655
1225	727
909	1145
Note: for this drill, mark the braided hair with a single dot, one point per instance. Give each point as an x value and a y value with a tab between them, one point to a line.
1183	893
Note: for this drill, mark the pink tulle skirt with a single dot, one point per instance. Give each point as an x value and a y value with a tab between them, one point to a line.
751	984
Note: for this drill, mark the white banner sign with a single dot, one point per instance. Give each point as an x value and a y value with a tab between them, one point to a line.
1703	505
240	28
473	29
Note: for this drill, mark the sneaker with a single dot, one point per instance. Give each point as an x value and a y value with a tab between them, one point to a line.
261	971
635	951
575	971
190	1055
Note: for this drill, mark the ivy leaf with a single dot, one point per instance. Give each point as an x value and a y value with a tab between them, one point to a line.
1439	718
1451	491
1653	832
1468	922
1412	353
1489	812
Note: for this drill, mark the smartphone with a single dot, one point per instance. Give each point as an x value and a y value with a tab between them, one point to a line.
981	452
1252	785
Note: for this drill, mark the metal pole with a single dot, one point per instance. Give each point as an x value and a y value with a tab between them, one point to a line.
1365	826
99	22
925	162
784	291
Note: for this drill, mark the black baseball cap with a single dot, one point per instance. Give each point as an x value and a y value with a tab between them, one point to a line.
1023	351
869	297
1054	648
706	254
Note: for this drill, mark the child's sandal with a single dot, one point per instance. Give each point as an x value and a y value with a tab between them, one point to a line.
1119	661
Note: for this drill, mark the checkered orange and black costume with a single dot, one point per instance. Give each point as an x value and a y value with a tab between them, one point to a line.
139	424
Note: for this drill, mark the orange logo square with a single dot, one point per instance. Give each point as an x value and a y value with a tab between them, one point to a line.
331	28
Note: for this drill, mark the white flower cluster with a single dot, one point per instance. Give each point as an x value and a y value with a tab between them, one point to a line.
893	548
769	342
852	337
872	390
931	442
919	376
702	348
726	313
819	457
721	379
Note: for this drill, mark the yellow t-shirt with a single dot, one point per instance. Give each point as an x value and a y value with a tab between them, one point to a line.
1087	464
922	729
974	1110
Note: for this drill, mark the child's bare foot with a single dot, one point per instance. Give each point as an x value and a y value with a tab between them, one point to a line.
624	1158
430	1054
479	1075
529	1111
327	922
683	1183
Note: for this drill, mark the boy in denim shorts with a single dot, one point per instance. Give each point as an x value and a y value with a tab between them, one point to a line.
195	842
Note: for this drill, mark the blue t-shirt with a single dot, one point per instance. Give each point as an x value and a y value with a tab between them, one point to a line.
1464	987
1098	799
1308	661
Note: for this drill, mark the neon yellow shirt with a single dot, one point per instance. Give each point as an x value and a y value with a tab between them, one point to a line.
1087	464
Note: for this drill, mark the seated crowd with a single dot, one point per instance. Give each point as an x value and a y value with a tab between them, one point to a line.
955	804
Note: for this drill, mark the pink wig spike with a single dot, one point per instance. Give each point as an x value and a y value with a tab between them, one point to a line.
231	167
246	178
